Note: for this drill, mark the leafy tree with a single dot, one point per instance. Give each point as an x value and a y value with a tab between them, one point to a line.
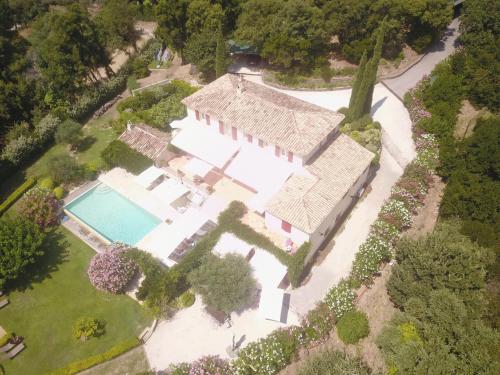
68	52
221	55
20	245
65	169
25	11
203	16
330	362
69	132
85	328
225	284
201	50
116	19
119	154
443	259
288	33
172	18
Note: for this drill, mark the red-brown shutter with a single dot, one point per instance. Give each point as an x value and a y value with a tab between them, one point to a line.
207	117
287	227
221	127
197	115
290	156
234	132
277	151
261	143
249	138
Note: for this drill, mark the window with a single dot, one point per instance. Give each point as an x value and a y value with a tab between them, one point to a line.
197	113
261	143
234	133
221	127
207	117
290	157
249	138
277	151
286	226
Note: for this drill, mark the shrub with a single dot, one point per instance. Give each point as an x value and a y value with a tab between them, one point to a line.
18	193
318	323
208	365
185	300
110	270
132	83
85	328
297	263
340	299
19	149
41	207
59	192
352	327
329	362
118	154
69	132
46	128
225	284
115	351
64	169
367	261
46	183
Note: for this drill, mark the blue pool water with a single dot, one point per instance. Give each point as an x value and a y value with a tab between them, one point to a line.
113	215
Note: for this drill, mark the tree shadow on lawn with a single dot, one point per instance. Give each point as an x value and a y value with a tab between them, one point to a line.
86	143
56	252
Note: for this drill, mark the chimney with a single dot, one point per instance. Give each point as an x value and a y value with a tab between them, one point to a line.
239	86
130	126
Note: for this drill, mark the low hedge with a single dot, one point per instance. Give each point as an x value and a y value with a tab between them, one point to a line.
18	193
115	351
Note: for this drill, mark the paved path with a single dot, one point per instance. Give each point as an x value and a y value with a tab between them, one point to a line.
438	53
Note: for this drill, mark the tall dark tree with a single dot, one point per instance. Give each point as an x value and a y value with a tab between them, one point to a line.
172	18
116	19
358	79
68	51
221	55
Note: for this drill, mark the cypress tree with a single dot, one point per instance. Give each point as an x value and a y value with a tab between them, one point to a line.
220	55
357	80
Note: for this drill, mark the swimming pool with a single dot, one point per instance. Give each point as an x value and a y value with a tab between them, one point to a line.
112	215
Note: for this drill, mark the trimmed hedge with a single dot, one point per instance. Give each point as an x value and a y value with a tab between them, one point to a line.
115	351
119	154
18	193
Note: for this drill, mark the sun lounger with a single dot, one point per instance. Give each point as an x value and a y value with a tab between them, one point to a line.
15	351
7	347
4	303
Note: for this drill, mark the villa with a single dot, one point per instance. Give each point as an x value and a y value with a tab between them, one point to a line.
299	172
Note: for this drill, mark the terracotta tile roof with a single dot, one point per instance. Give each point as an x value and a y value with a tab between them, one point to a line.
307	198
148	141
265	113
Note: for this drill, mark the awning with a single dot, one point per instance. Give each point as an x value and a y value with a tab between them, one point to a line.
147	177
206	144
271	303
197	167
268	270
230	244
170	190
165	238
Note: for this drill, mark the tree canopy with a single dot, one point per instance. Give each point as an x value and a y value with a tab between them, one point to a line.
20	245
225	284
116	19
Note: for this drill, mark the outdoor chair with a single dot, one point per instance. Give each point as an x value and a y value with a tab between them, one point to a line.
19	348
4	303
7	347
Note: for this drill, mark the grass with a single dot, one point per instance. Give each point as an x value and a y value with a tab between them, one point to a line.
44	308
133	362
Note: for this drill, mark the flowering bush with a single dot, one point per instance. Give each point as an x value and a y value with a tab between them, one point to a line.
400	194
385	231
340	299
367	261
264	357
19	149
318	323
41	207
394	212
111	271
46	128
209	365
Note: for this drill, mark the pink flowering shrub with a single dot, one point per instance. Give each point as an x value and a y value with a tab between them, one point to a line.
111	271
209	365
41	207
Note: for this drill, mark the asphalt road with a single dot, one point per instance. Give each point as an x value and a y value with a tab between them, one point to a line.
438	53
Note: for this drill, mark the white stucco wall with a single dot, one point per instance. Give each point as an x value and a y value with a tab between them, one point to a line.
296	235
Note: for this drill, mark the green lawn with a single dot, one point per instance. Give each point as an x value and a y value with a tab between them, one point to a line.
43	310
